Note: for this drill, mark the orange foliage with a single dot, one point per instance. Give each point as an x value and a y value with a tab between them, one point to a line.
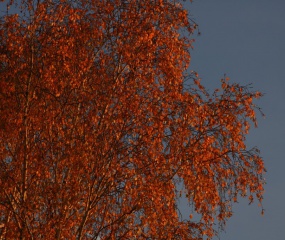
100	125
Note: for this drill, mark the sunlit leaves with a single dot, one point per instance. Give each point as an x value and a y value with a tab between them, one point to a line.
100	125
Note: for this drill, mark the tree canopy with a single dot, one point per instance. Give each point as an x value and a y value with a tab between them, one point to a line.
103	129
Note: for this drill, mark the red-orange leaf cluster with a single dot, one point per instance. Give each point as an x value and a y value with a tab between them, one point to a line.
100	125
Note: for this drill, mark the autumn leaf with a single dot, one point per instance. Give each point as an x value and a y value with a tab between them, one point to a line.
102	129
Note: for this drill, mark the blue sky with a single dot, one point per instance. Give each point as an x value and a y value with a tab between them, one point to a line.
245	39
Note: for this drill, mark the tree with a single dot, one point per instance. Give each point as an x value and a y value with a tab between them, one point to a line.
101	125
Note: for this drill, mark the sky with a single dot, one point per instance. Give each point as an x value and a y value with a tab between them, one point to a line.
245	40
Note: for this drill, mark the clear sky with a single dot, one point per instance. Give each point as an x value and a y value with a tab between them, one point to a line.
245	39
